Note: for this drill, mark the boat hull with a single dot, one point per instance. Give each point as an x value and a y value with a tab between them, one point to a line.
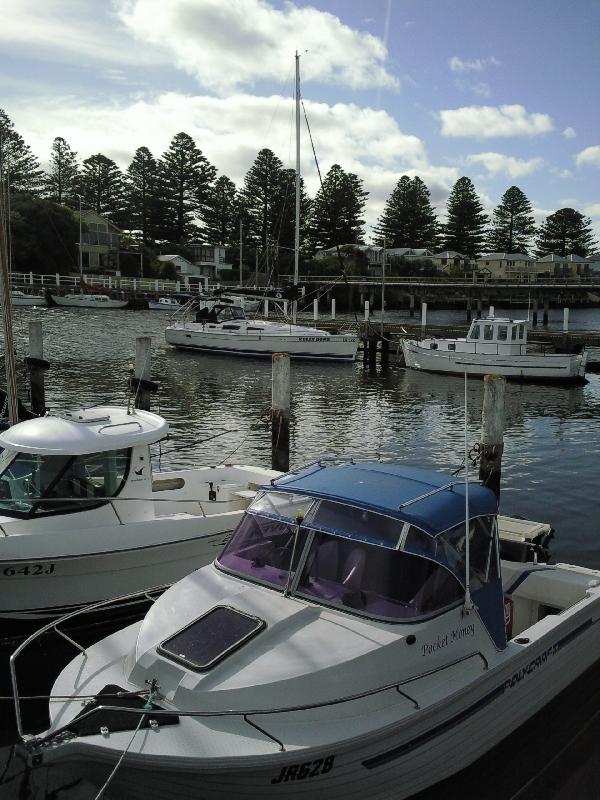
309	347
533	367
81	301
392	762
29	300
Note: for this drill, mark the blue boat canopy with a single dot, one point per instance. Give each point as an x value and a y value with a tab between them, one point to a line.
409	494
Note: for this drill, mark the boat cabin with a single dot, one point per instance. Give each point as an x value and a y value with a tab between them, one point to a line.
220	313
75	461
383	541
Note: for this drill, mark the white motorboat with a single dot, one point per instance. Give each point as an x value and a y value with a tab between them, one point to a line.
83	517
87	301
494	345
226	330
334	650
164	304
19	298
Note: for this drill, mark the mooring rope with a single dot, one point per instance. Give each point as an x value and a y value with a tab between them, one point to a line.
118	764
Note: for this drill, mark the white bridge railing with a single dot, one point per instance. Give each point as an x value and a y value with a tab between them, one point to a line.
31	280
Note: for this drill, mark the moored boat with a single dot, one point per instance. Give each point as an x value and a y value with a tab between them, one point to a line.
84	517
164	304
494	345
335	649
87	301
19	298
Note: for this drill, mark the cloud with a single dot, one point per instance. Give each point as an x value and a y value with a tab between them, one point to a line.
591	155
480	88
226	45
487	122
593	210
497	164
569	133
456	64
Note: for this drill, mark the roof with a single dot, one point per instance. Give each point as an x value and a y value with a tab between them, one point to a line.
549	257
385	487
505	256
89	430
449	254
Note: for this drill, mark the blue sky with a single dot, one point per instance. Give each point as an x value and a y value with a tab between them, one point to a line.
506	93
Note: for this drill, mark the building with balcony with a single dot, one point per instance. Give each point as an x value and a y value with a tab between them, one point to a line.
100	243
571	267
516	267
207	259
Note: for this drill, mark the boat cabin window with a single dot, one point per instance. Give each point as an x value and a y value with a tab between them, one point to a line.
282	504
488	332
38	484
521	331
514	332
502	333
483	552
225	313
375	581
474	332
261	549
361	523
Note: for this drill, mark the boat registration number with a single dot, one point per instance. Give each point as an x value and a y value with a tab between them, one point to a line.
29	569
312	338
310	769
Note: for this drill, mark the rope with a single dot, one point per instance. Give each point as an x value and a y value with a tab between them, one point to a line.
123	754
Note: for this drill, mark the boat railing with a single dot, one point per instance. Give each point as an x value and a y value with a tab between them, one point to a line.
402	687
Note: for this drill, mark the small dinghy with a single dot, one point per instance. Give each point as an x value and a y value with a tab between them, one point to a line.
494	345
164	304
100	301
84	518
334	650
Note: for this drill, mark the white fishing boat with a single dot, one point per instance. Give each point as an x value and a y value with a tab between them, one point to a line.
164	304
334	650
229	332
83	517
226	330
494	345
87	301
19	298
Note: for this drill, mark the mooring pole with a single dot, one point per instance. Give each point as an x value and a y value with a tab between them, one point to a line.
411	304
546	307
143	371
469	311
333	308
492	432
423	315
280	412
37	367
534	319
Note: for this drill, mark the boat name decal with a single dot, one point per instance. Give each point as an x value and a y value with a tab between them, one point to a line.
312	338
443	640
518	676
309	769
29	569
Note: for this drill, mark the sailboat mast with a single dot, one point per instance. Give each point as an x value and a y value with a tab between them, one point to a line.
80	246
297	228
9	355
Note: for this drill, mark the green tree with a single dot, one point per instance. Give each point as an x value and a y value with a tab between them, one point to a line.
62	178
337	210
102	187
464	230
44	235
513	224
185	179
142	202
261	197
18	166
408	219
564	232
222	213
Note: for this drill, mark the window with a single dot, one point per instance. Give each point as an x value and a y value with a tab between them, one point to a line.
488	332
502	333
521	331
513	334
375	581
35	484
261	549
483	556
363	524
474	332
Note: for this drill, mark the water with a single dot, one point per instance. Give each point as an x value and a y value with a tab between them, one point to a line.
552	446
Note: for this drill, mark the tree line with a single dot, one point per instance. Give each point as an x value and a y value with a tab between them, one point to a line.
178	197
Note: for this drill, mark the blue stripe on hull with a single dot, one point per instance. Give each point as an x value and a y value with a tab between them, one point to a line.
256	354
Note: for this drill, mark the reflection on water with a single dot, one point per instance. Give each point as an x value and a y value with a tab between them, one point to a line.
552	439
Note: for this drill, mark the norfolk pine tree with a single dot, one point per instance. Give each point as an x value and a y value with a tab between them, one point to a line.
513	224
408	219
262	197
564	232
62	178
102	187
337	210
464	230
141	195
18	166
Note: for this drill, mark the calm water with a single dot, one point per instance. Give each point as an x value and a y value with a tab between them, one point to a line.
550	465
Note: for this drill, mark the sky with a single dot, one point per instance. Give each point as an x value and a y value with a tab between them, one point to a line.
503	92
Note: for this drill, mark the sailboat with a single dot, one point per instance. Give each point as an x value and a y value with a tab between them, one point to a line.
228	331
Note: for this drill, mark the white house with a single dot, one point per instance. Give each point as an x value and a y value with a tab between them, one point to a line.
571	266
508	266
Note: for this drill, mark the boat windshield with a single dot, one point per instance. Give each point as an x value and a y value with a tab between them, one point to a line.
224	313
33	484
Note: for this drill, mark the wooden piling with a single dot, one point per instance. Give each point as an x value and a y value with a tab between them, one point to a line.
545	316
492	432
411	304
534	319
143	372
469	310
316	309
333	308
37	366
280	412
423	315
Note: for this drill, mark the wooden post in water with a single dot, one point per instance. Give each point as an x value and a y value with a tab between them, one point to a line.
411	304
366	310
280	412
546	306
492	432
37	366
565	320
535	311
315	308
333	308
469	310
423	315
143	371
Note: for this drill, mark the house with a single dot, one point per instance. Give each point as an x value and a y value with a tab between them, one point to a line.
449	259
207	259
372	254
100	243
508	266
184	268
567	267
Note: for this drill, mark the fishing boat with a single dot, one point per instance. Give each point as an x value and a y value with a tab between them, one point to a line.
497	345
229	332
19	298
335	649
226	330
164	304
83	300
84	517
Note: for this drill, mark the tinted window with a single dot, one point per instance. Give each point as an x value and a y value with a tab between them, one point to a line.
475	332
514	332
502	333
521	331
361	523
482	550
34	484
488	332
282	504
